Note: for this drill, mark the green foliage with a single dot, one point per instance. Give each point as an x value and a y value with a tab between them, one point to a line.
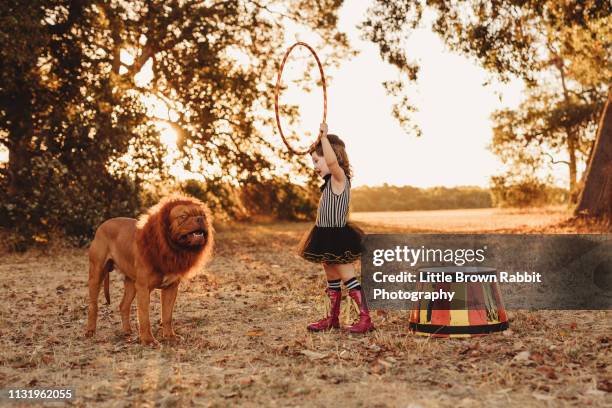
505	37
544	128
507	191
408	198
542	121
222	198
82	144
560	49
275	198
281	198
62	201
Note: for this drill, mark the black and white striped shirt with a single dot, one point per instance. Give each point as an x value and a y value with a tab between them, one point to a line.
333	208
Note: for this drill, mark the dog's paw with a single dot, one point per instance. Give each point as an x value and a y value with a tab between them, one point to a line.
90	332
149	341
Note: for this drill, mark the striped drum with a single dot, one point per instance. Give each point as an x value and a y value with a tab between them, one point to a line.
476	308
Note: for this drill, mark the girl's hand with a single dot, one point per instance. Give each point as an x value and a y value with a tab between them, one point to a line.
323	130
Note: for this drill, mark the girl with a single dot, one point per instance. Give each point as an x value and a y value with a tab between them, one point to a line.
332	241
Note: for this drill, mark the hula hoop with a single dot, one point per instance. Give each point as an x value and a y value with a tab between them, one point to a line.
278	82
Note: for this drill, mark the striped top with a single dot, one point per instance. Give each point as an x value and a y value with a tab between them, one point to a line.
333	208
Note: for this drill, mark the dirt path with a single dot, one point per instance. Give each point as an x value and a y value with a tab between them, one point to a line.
245	343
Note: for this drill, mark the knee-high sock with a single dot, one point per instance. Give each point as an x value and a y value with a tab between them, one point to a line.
352	283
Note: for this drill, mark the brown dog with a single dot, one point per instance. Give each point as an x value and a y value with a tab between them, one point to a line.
165	246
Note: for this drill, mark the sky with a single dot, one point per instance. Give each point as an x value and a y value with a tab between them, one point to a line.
454	109
454	112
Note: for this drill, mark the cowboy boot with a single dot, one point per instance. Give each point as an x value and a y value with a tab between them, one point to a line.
365	323
331	321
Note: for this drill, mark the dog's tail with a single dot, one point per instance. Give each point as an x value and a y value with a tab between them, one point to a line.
107	288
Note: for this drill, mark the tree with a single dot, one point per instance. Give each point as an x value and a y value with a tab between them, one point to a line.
71	98
63	125
545	125
596	197
536	40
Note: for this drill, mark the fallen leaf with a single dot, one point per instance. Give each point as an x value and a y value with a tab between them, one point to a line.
374	348
313	355
605	385
537	357
255	332
548	371
52	339
377	369
245	381
229	394
522	356
469	348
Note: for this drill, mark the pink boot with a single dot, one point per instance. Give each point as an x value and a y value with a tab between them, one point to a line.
331	321
364	324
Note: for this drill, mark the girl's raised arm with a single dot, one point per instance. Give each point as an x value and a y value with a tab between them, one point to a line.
330	157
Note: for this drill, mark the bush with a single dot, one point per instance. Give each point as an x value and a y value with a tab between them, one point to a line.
409	198
279	198
223	199
508	191
53	199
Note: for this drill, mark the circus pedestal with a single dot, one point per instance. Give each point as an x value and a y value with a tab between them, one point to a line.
476	309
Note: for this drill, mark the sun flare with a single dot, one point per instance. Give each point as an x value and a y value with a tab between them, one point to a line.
168	136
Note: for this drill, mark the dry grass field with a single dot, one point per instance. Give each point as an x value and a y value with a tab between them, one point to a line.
244	340
468	220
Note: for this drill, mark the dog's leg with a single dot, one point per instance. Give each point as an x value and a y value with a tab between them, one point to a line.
143	294
96	275
126	304
168	297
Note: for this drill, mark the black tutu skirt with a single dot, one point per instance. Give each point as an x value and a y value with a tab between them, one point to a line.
332	245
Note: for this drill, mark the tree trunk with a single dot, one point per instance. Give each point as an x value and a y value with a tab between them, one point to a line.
20	135
17	166
571	136
596	197
571	150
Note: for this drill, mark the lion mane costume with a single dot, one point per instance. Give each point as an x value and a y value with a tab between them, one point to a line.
167	245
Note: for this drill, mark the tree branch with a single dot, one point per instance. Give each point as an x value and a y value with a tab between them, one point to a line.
553	160
75	10
299	19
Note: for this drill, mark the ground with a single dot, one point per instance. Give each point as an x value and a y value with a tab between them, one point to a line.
243	321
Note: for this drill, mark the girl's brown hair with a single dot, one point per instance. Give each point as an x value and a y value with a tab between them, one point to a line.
339	148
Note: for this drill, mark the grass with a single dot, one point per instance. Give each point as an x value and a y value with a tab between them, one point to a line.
243	321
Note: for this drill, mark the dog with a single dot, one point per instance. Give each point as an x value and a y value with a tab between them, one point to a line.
167	245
